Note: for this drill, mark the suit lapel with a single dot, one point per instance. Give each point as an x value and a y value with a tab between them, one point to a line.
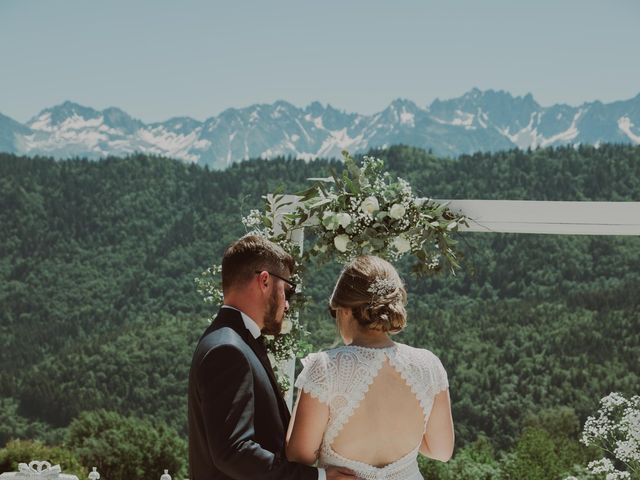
228	317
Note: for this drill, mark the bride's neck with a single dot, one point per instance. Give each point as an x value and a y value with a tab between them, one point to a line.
371	338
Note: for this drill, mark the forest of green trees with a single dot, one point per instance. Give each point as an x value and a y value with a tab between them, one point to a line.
99	313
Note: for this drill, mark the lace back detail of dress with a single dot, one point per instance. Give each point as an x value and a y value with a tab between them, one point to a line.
341	378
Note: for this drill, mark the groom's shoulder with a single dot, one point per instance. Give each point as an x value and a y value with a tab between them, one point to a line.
221	335
224	338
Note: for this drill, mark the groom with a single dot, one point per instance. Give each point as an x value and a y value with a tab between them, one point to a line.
237	417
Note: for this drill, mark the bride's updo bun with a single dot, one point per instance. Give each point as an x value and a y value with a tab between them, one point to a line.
372	288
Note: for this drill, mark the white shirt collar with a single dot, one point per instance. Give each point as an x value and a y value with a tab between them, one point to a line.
249	323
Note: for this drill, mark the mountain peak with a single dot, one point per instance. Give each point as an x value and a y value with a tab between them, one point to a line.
475	92
69	104
403	103
486	120
69	107
58	114
284	104
315	109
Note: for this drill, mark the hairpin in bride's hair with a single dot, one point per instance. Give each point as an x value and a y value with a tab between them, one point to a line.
381	287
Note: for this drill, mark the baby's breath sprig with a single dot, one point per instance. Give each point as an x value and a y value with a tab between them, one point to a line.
615	429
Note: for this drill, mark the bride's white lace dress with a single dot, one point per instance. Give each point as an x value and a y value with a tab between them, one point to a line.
341	377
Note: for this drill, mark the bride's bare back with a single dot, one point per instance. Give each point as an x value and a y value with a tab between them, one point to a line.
386	426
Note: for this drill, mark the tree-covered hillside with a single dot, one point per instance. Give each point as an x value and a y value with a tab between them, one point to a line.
99	310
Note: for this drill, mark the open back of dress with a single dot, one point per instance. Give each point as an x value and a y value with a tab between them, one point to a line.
379	402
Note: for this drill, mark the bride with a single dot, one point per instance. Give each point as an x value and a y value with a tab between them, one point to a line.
372	404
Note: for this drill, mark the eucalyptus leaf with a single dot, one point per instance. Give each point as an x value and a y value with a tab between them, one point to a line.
320	203
322	179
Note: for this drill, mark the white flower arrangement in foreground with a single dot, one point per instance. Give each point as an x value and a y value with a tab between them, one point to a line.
615	429
361	212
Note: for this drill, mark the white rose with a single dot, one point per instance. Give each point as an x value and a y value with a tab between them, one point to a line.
330	220
402	244
287	325
397	211
370	205
344	219
341	242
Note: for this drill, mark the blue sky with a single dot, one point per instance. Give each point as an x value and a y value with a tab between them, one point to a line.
157	58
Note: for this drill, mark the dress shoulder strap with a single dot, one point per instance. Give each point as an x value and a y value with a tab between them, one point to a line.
423	371
314	378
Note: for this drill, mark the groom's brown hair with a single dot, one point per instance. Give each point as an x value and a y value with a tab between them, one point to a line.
251	254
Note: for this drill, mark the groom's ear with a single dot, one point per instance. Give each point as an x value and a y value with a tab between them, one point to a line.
263	280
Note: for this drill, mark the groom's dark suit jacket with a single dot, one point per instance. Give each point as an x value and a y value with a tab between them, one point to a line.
237	417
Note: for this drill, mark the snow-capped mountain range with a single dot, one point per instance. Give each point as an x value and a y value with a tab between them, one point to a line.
477	121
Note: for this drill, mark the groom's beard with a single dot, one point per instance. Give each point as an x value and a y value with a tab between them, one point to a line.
272	325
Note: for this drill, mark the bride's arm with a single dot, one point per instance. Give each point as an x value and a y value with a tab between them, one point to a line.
439	437
308	422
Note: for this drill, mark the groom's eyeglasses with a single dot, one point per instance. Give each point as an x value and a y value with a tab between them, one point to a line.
289	292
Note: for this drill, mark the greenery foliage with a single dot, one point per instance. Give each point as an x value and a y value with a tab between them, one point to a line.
546	449
98	308
123	448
